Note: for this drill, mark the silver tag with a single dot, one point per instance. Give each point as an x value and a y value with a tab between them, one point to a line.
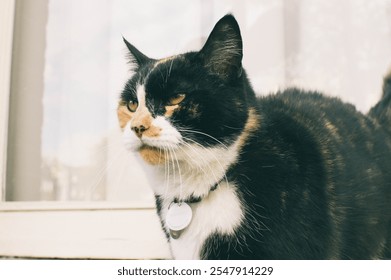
178	218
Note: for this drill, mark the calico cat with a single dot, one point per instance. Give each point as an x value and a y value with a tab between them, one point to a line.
293	175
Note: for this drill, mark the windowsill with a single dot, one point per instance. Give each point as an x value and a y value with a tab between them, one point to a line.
81	230
30	206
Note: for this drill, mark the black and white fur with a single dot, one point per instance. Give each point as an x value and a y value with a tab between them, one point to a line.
294	175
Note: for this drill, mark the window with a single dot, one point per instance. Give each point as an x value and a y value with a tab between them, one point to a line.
68	189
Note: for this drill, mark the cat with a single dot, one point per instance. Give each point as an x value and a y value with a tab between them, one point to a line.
291	175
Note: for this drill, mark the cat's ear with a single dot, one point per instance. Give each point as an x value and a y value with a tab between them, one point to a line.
223	51
136	57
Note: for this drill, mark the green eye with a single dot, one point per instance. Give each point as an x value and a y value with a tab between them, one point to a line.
132	105
175	100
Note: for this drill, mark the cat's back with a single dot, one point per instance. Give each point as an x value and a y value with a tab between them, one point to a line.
349	145
327	120
312	148
309	107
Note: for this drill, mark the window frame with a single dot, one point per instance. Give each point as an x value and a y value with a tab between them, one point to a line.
7	10
98	230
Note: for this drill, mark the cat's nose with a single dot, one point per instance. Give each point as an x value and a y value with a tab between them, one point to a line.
139	130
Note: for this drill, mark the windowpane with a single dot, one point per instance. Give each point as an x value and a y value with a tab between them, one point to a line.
69	68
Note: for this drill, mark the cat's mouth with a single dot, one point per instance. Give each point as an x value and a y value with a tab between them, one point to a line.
151	155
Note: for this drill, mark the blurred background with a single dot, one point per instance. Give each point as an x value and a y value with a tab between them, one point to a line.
69	66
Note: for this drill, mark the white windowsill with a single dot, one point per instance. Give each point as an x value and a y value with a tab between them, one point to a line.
74	230
34	206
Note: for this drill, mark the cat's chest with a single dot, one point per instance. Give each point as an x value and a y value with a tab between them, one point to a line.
221	211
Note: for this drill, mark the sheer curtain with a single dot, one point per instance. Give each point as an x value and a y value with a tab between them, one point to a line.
340	47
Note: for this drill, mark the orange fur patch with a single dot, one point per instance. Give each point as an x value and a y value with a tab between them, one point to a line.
142	117
124	115
152	155
252	124
152	131
170	110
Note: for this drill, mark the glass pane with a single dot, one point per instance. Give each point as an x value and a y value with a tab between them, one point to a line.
69	68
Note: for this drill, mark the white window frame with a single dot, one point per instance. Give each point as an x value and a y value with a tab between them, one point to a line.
6	32
98	230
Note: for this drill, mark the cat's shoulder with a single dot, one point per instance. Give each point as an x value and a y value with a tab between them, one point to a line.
308	102
295	96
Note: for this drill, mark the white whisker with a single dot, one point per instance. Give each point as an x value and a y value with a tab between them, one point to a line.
102	172
212	154
179	171
122	171
166	171
205	134
205	163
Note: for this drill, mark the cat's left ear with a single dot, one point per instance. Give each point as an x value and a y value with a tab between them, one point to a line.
137	58
223	51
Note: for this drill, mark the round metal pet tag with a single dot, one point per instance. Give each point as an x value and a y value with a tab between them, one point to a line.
178	216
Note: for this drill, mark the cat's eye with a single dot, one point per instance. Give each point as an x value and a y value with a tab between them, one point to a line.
132	105
176	99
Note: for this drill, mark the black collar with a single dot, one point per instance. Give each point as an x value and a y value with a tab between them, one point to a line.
196	199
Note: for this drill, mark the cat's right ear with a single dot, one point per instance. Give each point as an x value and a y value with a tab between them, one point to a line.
137	58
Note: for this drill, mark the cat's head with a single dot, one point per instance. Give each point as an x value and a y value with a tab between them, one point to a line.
192	99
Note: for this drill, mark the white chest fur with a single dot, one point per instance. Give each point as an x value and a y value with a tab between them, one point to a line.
193	171
220	212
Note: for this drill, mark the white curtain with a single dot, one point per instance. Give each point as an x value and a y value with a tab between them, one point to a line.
342	47
339	47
